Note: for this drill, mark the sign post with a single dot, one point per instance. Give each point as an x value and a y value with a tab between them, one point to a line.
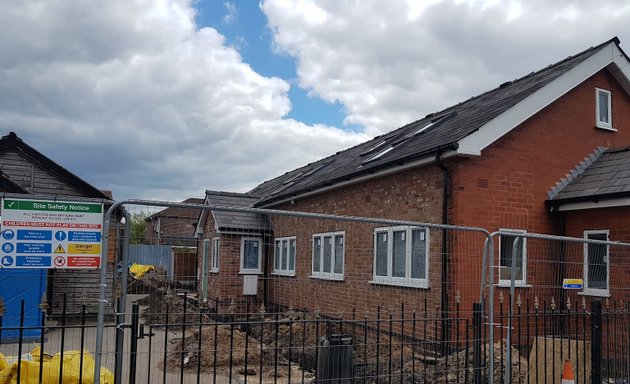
50	234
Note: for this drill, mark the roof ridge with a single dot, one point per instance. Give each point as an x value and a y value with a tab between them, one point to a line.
575	172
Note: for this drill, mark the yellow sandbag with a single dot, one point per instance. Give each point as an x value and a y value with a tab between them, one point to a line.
139	270
29	372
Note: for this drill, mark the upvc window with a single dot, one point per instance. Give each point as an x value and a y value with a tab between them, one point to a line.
596	264
284	258
251	255
507	255
603	108
401	256
214	260
328	256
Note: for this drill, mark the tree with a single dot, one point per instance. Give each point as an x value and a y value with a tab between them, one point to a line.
138	229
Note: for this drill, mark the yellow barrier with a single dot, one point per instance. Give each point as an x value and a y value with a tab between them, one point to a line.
29	372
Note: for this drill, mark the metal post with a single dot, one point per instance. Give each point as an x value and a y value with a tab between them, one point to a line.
489	248
477	343
507	377
122	302
596	340
135	321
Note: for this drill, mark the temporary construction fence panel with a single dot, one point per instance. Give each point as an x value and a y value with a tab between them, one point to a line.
287	295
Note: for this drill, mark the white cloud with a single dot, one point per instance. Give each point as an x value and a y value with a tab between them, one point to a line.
133	97
389	62
230	16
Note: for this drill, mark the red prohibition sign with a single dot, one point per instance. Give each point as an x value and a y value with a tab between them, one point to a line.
60	261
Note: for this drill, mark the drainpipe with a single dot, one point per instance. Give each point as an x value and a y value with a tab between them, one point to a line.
444	287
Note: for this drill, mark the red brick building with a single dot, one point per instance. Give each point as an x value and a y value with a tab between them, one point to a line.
496	161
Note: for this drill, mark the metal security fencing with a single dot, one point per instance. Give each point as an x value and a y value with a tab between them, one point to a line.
292	296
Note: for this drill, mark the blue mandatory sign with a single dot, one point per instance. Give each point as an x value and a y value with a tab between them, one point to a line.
7	261
7	247
8	234
60	235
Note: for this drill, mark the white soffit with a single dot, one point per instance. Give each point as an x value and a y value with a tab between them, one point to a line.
609	56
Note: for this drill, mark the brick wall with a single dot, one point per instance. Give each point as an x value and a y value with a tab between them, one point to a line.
414	195
506	187
617	222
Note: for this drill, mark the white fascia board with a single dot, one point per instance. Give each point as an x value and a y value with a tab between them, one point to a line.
202	219
610	56
625	202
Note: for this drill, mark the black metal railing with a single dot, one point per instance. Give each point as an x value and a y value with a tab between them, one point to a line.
188	341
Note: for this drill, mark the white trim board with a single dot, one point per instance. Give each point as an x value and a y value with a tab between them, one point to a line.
609	56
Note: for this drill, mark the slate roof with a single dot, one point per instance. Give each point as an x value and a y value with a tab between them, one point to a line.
435	133
607	177
239	221
179	212
12	141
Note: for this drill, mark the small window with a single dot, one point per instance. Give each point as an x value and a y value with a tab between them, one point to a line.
328	256
251	255
596	264
214	261
401	256
603	109
284	257
508	257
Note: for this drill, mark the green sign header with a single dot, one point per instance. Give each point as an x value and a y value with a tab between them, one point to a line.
54	206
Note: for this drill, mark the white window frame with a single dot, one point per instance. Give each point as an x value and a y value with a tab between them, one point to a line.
598	122
204	268
215	255
251	270
514	233
288	243
596	291
332	275
406	281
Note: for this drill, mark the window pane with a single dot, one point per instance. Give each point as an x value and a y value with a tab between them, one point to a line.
381	254
215	253
418	254
250	254
276	264
597	269
326	267
285	254
399	251
507	248
317	251
292	255
338	254
603	106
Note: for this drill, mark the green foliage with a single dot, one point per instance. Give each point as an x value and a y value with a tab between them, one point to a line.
138	229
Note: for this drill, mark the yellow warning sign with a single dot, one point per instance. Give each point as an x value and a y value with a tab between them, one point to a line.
84	249
60	249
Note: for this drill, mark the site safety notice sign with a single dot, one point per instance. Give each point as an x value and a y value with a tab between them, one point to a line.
50	234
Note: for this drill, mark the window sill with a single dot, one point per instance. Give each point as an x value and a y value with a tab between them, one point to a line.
405	284
249	272
506	284
595	293
285	274
215	270
329	278
606	128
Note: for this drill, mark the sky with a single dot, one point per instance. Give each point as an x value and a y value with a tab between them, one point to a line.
159	99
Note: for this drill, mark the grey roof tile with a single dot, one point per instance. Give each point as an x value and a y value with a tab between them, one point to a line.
234	220
607	177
